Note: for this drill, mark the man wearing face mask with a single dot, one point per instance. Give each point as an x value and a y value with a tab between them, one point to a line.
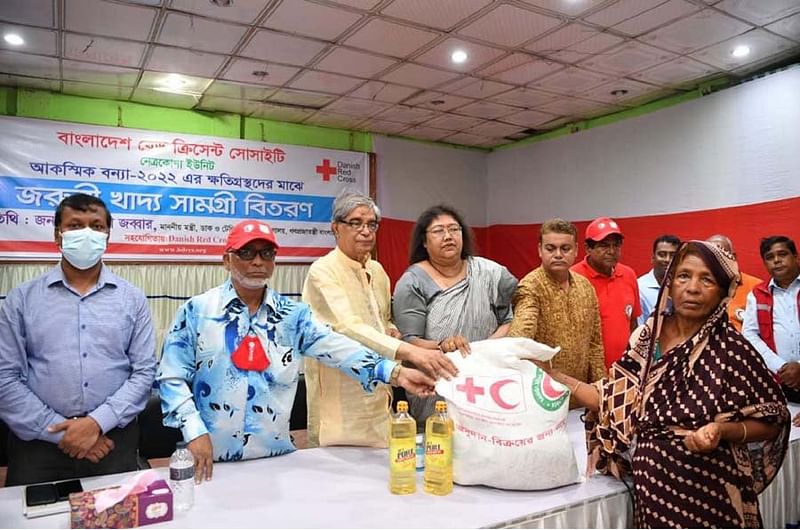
231	361
77	358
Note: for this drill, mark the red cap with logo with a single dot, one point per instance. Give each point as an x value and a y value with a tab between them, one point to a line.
246	231
601	228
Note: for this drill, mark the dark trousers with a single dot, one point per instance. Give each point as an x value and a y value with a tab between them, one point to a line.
791	394
35	461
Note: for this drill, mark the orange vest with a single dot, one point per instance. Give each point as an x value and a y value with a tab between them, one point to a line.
737	305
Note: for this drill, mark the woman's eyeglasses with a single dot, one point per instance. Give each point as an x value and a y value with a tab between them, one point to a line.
248	254
359	225
440	231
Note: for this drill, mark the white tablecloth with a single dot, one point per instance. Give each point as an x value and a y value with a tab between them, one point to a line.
343	487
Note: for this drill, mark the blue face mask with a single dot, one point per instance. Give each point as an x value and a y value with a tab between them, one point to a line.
83	248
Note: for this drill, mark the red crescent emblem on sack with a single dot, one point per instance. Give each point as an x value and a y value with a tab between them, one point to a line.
494	391
548	390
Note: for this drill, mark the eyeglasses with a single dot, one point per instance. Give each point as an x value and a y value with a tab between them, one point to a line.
359	225
439	231
248	254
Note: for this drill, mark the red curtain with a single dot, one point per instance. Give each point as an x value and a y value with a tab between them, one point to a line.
515	246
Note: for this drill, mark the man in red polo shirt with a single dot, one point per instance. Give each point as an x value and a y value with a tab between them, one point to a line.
614	283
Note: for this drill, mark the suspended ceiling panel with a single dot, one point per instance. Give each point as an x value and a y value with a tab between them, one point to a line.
386	65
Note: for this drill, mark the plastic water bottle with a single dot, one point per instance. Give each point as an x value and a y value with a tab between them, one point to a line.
402	452
438	476
420	452
181	477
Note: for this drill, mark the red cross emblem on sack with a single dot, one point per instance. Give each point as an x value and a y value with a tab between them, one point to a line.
498	399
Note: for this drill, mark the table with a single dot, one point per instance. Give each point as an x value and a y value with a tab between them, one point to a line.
347	487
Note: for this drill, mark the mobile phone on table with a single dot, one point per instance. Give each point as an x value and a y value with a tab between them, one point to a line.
66	487
40	494
48	498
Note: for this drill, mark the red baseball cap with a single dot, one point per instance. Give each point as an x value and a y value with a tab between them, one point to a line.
601	228
246	231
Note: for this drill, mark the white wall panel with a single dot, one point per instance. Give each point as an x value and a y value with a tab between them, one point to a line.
735	147
413	175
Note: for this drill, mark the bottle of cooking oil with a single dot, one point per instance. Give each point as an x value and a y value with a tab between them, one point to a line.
438	476
402	452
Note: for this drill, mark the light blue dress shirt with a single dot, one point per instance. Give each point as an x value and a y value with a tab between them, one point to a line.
648	294
785	325
64	354
246	412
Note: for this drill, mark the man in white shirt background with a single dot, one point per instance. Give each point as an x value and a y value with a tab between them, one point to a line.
772	315
664	247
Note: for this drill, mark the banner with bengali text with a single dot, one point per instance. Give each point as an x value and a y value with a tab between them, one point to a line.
172	197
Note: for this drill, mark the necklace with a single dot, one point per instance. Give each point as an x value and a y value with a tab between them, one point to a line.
448	276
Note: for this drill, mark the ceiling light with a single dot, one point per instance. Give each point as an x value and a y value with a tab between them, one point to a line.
619	92
178	91
459	56
177	84
260	73
222	3
174	81
13	39
741	51
437	102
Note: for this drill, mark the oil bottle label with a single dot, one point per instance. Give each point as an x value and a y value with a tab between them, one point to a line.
438	451
402	455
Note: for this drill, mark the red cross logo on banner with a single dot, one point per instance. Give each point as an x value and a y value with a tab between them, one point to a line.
326	170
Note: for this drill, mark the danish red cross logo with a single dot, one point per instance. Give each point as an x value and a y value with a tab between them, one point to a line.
326	170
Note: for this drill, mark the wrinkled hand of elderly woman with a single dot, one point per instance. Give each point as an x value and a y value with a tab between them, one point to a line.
456	342
790	374
705	439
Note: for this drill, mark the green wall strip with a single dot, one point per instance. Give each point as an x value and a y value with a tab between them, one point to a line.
61	107
296	134
219	124
8	100
31	103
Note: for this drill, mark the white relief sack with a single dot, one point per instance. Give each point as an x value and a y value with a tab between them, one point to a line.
510	418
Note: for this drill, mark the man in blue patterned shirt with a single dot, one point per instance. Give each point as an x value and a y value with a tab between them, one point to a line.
230	364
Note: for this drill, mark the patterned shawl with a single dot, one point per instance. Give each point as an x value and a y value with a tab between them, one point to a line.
626	395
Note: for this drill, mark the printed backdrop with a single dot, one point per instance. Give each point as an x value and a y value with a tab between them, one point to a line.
173	197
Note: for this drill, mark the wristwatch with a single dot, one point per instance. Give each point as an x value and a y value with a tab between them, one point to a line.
394	375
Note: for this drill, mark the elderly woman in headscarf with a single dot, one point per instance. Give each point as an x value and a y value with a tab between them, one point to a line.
692	400
448	297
